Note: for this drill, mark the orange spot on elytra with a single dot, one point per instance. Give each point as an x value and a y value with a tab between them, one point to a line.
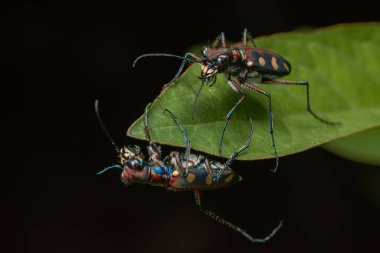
274	63
175	173
229	178
190	178
208	180
286	66
262	61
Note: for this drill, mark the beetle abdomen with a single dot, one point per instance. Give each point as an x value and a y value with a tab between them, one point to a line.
200	179
267	62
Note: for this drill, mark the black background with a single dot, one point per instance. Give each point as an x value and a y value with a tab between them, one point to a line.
58	56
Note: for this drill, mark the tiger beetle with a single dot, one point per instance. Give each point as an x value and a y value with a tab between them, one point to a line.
244	67
178	171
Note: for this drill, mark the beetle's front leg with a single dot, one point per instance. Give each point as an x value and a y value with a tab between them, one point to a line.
236	84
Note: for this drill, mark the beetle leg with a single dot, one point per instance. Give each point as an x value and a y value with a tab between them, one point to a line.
197	198
177	161
267	94
154	150
184	135
233	226
146	127
305	83
235	154
244	39
220	39
209	168
247	36
236	87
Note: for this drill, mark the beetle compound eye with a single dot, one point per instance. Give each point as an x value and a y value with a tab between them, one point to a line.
222	60
134	163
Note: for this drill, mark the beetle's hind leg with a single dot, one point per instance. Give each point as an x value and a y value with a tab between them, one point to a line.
305	83
232	226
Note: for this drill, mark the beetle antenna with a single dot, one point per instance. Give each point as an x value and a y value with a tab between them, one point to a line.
196	99
164	54
104	128
116	166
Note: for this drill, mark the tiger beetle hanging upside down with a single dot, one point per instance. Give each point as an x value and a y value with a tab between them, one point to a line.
244	68
178	171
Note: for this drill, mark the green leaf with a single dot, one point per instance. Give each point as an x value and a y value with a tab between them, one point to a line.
363	147
342	65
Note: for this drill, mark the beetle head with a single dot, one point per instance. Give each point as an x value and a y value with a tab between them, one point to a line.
216	60
135	169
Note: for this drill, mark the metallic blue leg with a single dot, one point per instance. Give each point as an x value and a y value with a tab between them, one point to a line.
245	31
241	231
229	115
154	150
271	132
233	226
184	135
247	36
146	122
235	154
306	83
220	39
229	161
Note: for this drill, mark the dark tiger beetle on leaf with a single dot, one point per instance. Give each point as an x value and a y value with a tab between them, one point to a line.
244	67
178	171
